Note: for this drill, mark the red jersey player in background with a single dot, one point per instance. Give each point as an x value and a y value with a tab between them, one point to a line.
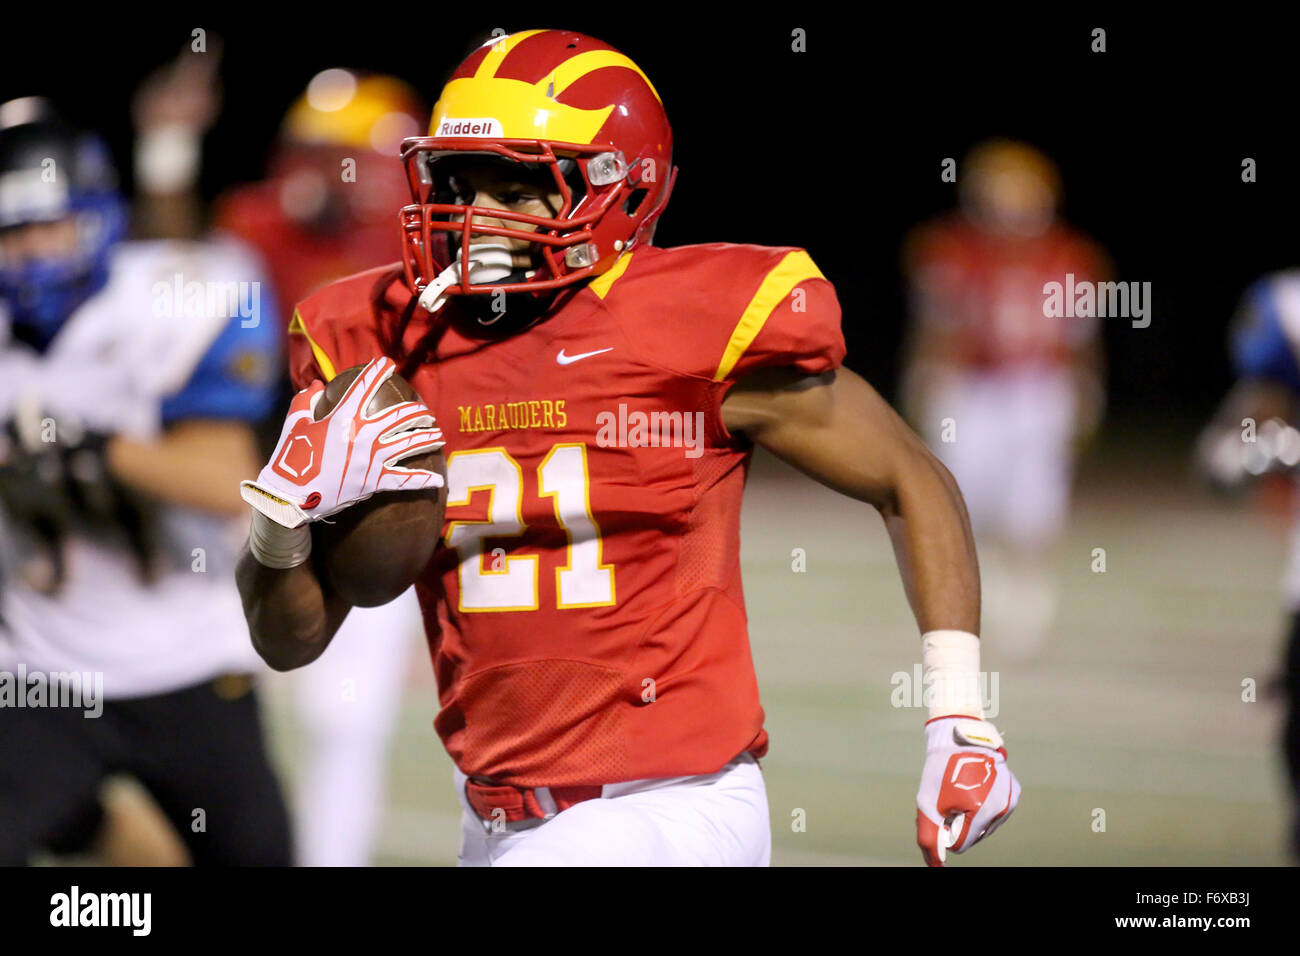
327	209
600	399
1000	389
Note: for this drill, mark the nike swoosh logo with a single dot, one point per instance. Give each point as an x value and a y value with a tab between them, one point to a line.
570	359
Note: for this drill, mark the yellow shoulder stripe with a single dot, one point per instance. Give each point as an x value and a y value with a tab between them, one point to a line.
297	327
600	285
796	267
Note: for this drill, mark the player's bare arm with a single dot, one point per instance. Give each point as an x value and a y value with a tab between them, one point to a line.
195	463
837	429
291	615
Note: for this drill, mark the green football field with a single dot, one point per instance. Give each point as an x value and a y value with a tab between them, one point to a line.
1133	715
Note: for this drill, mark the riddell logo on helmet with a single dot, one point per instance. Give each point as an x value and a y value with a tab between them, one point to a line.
469	127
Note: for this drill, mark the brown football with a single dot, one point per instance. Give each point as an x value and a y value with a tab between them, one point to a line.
371	552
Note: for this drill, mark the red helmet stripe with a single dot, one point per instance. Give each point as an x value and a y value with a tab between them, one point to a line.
533	58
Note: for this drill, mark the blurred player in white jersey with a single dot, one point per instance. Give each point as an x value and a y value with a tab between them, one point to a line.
1000	389
326	209
1253	437
129	376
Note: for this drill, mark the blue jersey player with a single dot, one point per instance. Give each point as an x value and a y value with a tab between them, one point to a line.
1253	436
131	375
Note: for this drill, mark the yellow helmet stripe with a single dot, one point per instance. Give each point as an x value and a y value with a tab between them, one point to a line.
796	267
523	110
576	67
297	327
499	50
529	110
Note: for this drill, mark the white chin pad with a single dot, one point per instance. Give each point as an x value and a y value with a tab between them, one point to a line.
488	263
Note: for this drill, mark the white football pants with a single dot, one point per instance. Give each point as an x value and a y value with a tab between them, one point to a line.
718	819
1005	437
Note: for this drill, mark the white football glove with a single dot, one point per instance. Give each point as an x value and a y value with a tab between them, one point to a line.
967	790
322	467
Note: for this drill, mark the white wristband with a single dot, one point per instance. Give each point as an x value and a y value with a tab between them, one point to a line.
950	663
276	546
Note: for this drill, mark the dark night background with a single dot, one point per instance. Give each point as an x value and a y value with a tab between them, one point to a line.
838	149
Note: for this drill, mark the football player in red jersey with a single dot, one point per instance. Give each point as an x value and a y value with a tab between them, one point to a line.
1000	388
325	209
600	399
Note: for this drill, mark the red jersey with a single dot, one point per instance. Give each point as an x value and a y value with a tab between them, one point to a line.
983	293
301	261
584	613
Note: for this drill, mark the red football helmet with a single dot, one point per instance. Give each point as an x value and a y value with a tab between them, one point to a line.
555	101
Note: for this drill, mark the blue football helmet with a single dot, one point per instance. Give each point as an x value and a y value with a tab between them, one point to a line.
49	172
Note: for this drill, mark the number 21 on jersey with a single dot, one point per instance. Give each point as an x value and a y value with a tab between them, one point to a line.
511	584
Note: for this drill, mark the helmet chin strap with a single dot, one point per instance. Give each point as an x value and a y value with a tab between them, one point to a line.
489	263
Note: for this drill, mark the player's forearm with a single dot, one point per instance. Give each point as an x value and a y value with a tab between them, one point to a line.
291	618
928	525
837	429
198	465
